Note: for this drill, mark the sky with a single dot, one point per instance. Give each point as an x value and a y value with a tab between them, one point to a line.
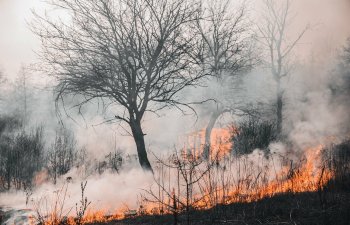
329	19
17	43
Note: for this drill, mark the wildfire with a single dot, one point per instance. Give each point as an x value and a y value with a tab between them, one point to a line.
97	216
101	215
308	175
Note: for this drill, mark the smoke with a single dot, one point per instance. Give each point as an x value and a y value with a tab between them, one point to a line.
107	191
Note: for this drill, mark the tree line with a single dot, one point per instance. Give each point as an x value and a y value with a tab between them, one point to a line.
27	159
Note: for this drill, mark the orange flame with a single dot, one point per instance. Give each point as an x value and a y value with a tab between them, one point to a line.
220	142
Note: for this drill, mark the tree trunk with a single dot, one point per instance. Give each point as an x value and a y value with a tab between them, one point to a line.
187	203
140	145
279	109
8	178
174	207
214	116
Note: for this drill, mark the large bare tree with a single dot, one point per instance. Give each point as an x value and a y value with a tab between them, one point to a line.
274	34
224	31
137	54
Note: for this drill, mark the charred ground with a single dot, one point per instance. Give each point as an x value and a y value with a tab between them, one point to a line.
289	208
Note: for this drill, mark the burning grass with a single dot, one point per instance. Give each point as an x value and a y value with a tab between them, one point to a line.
185	184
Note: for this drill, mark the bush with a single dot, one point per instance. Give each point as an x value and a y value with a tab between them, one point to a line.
62	155
29	148
339	163
251	134
20	154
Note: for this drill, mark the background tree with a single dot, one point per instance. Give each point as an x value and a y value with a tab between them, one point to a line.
7	160
135	54
274	36
340	87
3	81
2	76
28	149
345	68
23	94
21	154
225	53
62	155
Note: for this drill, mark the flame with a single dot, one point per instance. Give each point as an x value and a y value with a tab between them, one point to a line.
40	177
220	142
104	215
308	177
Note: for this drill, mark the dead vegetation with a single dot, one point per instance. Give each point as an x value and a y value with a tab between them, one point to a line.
212	201
231	190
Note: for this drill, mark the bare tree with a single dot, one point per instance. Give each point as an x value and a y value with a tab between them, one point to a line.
23	95
346	54
225	52
135	54
115	160
179	193
3	80
273	34
345	67
2	75
62	155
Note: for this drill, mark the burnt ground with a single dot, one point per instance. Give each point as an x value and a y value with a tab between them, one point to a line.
318	208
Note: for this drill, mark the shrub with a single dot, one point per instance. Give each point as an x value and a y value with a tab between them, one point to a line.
20	154
253	133
339	163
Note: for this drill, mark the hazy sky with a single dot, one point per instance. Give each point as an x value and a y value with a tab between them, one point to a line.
16	41
330	17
